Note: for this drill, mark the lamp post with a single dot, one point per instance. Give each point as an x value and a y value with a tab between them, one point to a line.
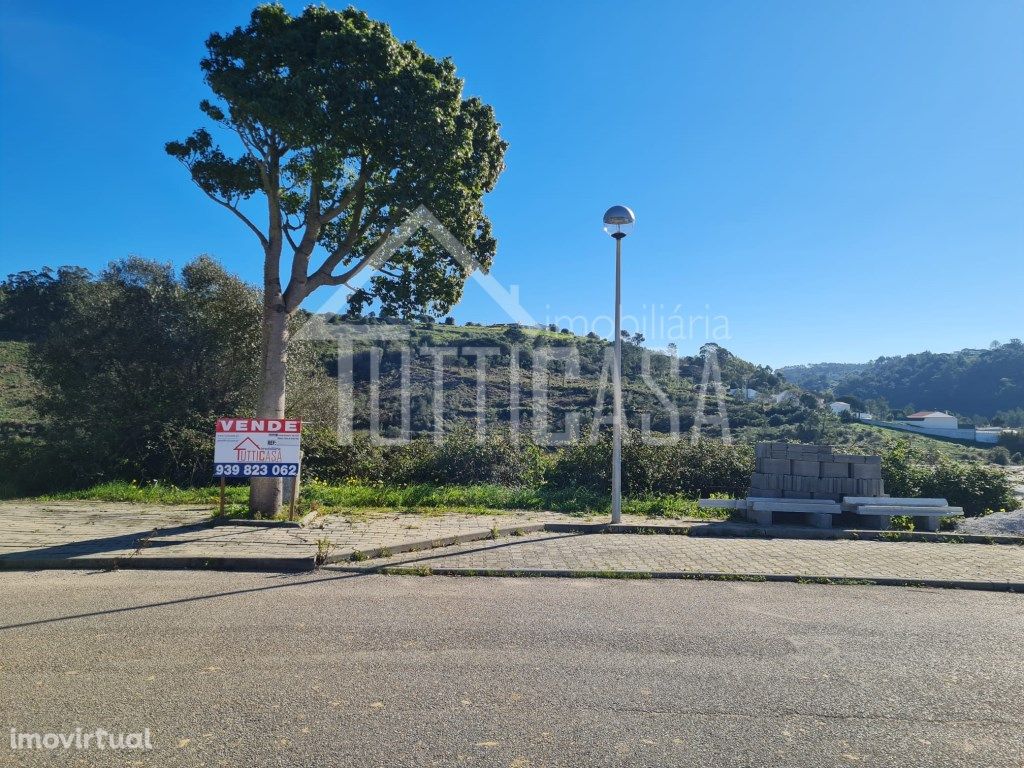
618	222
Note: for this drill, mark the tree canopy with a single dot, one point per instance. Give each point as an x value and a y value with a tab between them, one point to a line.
346	131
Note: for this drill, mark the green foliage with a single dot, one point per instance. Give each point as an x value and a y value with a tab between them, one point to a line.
971	381
355	498
18	391
346	131
134	367
999	455
672	468
977	488
1012	440
459	458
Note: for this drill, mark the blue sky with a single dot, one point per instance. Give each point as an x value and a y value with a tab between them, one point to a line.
839	180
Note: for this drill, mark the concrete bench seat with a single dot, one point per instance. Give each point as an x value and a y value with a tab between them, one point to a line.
878	513
721	503
862	501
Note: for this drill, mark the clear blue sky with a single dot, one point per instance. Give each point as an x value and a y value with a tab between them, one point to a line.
841	180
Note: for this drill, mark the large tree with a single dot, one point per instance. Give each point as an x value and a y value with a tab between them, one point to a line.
344	131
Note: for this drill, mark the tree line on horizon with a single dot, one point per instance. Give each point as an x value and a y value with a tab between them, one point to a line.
977	384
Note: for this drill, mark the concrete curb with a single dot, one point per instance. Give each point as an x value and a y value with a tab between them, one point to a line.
250	523
164	563
399	570
729	530
423	544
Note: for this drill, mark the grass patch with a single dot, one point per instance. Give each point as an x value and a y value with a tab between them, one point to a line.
356	500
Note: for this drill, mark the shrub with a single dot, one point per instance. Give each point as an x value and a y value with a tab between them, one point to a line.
999	455
975	487
674	468
458	459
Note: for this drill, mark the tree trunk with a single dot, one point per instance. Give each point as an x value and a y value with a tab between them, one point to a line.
265	492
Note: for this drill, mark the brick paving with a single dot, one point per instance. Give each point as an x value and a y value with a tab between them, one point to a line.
910	562
87	534
396	532
106	535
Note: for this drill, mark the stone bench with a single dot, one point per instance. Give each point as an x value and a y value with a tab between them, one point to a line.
817	512
721	503
879	512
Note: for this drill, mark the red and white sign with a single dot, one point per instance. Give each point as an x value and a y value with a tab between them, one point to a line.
257	448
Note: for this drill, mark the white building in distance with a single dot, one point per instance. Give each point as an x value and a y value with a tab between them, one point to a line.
933	420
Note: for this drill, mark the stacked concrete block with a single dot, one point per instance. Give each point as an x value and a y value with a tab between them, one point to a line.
798	471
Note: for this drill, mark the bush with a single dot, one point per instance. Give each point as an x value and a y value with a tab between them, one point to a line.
134	369
674	468
973	486
999	455
458	459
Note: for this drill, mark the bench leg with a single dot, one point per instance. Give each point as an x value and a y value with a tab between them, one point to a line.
819	519
761	518
929	523
876	522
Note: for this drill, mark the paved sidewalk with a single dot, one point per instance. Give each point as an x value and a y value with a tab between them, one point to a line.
100	535
86	534
90	534
562	554
384	533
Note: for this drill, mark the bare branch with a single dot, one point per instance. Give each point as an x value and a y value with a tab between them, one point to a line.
245	219
350	194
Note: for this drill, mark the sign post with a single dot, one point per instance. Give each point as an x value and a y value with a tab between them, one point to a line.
247	448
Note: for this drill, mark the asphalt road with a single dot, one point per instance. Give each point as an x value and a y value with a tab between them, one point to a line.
329	669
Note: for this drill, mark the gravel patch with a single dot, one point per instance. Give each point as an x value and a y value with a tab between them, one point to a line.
1000	523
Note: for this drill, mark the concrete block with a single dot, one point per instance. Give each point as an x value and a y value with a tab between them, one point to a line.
846	486
796	495
863	487
722	503
872	459
761	517
763	451
849	458
806	468
764	492
867	471
836	468
820	520
774	466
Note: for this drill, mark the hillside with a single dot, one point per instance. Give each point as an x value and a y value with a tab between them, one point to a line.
970	382
17	390
574	387
819	377
312	385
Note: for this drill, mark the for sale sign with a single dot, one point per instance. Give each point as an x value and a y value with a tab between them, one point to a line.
257	448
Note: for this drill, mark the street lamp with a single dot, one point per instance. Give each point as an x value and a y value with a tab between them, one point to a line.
618	222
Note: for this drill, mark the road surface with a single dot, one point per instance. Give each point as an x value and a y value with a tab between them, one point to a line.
341	669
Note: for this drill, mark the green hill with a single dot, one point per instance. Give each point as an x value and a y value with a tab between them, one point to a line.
970	382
